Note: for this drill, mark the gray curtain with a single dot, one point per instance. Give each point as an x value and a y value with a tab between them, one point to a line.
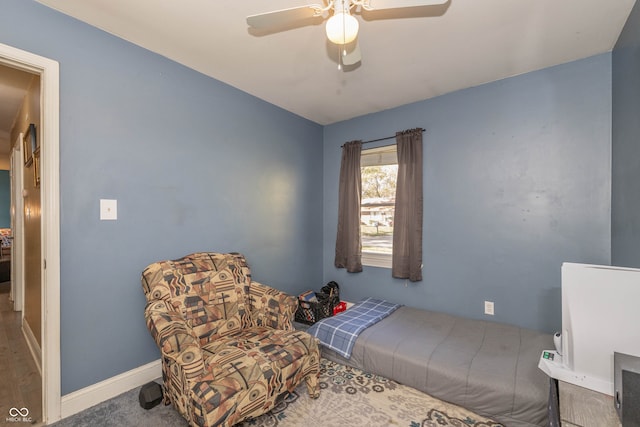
407	224
348	244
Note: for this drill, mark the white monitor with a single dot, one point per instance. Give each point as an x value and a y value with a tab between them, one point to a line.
600	316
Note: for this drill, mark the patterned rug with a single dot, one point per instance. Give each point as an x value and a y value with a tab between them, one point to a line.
350	397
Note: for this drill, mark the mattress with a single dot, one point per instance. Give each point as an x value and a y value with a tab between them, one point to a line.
489	368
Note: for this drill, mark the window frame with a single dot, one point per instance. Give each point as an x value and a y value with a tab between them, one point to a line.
378	156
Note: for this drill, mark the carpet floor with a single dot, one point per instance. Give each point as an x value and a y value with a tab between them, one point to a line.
348	397
20	381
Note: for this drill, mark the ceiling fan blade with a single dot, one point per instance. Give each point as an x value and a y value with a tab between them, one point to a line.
397	4
353	55
283	17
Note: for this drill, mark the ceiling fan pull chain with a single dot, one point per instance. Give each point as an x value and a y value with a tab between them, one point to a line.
344	32
341	50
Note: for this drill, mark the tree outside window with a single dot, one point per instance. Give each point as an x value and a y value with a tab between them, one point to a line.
379	169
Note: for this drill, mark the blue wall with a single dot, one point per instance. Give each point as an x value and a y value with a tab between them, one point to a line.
625	198
516	181
194	164
5	199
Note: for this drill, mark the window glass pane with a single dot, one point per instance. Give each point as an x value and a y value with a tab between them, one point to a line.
377	208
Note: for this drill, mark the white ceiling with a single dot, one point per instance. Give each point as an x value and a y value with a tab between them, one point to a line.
408	55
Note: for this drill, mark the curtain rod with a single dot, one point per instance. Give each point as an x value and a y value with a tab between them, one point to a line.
381	139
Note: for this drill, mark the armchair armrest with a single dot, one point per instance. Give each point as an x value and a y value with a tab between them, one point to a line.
271	307
174	338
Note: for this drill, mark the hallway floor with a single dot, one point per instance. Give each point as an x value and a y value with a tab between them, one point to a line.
20	381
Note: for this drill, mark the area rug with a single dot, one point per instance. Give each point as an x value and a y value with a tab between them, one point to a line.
350	397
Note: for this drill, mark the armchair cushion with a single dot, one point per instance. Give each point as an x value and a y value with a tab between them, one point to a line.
229	351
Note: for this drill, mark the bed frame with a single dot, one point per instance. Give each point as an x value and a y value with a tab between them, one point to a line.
489	368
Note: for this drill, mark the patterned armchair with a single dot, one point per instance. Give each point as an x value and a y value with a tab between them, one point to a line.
229	350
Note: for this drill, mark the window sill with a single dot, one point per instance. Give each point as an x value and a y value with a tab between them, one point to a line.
374	259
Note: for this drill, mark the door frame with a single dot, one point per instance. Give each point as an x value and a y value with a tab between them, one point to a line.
49	72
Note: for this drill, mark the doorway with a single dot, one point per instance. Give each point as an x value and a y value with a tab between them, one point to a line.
20	284
49	248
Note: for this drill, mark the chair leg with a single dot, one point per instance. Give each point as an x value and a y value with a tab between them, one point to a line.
312	385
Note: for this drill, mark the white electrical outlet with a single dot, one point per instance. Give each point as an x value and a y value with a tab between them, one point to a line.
488	308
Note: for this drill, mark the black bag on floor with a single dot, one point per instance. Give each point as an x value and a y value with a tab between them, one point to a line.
150	395
332	291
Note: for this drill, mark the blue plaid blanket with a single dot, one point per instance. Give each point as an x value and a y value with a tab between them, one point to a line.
339	333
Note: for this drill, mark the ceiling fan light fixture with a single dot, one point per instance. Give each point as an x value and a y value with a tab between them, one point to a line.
342	28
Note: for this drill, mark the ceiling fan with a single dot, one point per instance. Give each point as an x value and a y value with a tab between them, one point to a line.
342	26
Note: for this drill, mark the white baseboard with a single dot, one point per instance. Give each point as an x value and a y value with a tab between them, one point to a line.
87	397
33	345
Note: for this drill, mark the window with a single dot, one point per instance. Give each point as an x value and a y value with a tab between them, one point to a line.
379	169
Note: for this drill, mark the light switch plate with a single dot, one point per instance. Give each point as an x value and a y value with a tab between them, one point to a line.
488	308
108	209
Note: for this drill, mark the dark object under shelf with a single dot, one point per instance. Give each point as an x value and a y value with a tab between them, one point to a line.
5	270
